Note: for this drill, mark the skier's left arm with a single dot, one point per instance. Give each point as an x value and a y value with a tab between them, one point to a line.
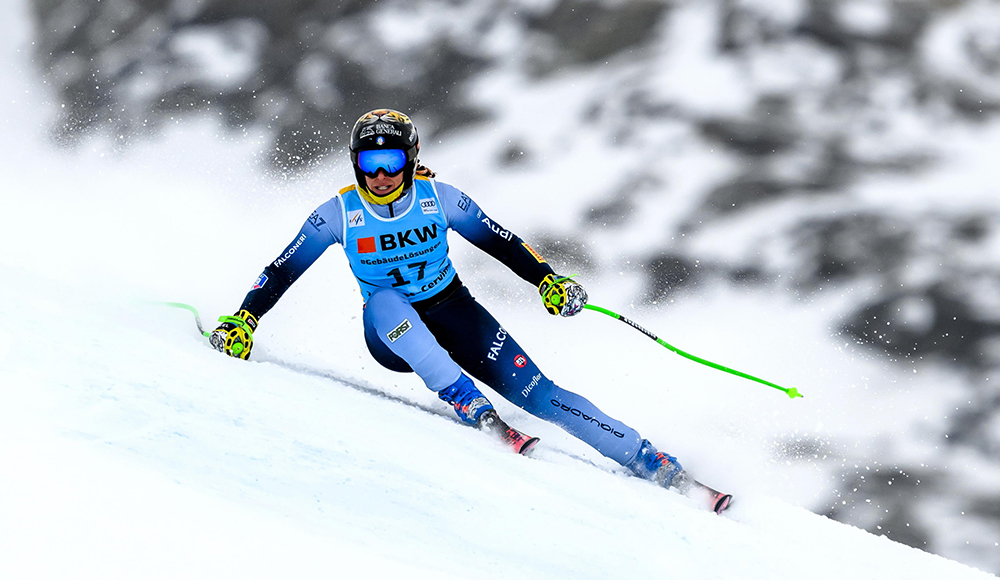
560	295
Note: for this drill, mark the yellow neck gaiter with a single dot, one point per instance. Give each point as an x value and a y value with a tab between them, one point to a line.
380	200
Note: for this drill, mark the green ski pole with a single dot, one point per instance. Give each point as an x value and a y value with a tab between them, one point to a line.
792	393
238	347
192	310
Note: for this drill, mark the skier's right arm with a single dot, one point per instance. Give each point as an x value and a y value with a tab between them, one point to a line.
320	231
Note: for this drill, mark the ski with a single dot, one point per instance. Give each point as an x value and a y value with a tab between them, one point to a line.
717	501
517	441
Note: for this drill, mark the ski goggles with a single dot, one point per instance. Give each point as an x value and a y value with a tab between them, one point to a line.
392	161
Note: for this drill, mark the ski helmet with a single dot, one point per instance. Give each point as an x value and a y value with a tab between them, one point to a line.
389	131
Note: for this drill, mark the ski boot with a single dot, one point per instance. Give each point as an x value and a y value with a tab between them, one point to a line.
468	402
667	472
659	467
473	408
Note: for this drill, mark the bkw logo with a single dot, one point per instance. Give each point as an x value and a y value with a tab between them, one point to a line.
399	240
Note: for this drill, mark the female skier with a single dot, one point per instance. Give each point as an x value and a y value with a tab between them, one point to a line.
419	317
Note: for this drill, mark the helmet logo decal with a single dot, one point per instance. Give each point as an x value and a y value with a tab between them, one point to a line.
385	115
381	129
380	140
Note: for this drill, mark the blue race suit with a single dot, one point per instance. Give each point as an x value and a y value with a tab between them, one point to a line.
418	315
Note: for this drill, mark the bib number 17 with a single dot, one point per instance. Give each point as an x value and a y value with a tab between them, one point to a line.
398	275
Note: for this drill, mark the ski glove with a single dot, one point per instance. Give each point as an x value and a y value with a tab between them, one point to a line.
235	335
561	295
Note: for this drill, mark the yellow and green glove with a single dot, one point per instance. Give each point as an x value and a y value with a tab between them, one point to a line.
235	335
561	295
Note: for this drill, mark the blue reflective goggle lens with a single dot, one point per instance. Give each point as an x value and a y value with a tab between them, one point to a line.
392	161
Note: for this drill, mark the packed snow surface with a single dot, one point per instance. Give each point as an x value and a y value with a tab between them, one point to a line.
130	449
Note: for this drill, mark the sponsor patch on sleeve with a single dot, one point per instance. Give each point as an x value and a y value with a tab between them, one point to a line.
399	331
261	280
316	220
532	251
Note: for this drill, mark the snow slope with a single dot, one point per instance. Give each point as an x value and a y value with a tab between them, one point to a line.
130	449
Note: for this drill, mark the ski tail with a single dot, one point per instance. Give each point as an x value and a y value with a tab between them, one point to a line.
517	441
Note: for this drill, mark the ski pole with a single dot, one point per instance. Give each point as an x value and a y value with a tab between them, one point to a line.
792	393
238	347
192	310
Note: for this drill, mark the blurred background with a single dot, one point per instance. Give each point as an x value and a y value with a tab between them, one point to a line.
693	161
